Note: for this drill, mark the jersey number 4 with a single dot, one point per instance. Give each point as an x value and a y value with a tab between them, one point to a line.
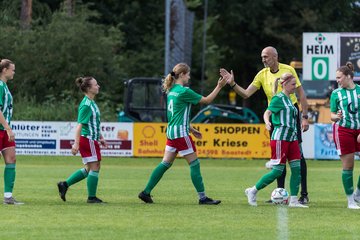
171	107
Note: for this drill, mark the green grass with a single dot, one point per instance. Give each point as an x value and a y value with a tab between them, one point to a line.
175	214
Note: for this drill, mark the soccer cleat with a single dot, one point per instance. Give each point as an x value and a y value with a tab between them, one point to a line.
94	200
63	187
251	197
12	201
304	200
357	196
353	206
145	197
297	205
208	201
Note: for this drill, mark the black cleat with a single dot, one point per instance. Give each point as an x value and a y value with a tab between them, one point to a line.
63	187
145	197
209	201
94	200
304	200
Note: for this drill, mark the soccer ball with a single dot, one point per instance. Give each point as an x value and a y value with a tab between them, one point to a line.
280	196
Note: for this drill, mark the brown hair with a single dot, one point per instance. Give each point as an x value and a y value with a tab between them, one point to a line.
5	63
84	83
347	69
168	81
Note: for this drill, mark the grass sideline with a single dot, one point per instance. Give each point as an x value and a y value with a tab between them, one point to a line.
175	214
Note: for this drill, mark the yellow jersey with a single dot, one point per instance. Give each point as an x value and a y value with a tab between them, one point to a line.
266	79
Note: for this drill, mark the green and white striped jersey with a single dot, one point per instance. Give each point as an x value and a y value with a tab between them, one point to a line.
347	100
89	117
179	100
6	103
284	116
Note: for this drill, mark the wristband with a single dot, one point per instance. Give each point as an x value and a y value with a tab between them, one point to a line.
233	85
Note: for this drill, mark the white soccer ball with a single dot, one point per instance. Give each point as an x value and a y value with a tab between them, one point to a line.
280	196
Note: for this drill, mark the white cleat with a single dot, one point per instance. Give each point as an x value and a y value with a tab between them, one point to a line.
357	198
297	205
353	206
251	196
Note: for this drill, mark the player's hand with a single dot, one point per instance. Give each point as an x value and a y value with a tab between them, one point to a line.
75	148
305	124
196	133
103	142
268	126
228	76
10	134
339	115
222	82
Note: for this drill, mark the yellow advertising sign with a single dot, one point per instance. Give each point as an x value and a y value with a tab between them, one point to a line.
218	141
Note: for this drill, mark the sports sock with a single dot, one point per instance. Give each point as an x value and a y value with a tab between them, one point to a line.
270	177
303	174
295	177
156	176
358	184
9	178
281	179
92	182
347	179
77	176
196	177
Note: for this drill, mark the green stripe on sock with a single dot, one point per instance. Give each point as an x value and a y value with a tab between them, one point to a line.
156	175
347	179
295	177
92	183
196	177
9	177
270	177
77	176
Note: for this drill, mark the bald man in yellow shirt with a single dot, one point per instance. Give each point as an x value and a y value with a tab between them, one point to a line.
265	79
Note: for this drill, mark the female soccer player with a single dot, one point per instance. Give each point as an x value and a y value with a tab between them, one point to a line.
345	113
87	138
284	143
179	101
7	137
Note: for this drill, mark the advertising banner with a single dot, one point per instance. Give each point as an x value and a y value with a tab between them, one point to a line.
324	143
56	138
218	140
350	51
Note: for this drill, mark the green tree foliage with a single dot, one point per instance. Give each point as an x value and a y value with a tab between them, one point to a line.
117	40
243	28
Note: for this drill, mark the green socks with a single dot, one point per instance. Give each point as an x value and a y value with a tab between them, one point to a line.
9	177
92	182
156	176
347	179
196	176
77	176
270	177
295	177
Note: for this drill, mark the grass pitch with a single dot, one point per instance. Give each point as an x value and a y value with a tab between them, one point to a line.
176	213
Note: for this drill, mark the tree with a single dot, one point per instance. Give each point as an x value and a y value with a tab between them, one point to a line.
25	15
69	6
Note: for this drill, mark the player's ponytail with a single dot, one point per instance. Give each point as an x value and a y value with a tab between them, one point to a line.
5	63
169	80
347	69
83	83
275	87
